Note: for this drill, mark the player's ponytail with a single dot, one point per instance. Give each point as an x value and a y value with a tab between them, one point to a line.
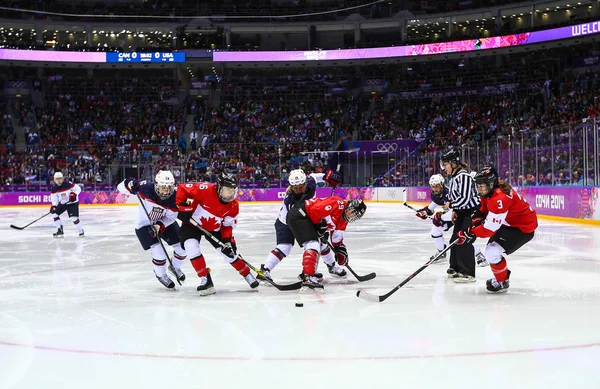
505	187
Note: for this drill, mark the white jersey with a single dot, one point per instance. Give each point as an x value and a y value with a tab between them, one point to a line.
312	181
161	210
60	194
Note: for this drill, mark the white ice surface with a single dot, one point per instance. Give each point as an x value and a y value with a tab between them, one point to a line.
88	313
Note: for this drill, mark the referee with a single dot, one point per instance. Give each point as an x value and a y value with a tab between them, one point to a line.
464	201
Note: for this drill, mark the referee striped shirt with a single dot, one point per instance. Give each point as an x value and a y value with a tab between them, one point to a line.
463	192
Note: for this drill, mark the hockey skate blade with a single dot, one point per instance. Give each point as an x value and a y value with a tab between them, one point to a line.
367	296
307	290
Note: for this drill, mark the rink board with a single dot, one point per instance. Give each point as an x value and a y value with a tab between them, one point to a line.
581	203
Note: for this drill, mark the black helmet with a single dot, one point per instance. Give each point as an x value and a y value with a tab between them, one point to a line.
355	209
227	187
451	156
487	176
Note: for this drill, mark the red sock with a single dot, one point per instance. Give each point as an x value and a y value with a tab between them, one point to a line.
500	270
241	267
199	265
309	262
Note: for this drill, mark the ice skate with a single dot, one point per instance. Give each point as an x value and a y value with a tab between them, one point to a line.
310	284
82	234
494	286
177	273
451	272
166	281
59	233
460	278
336	270
266	272
481	260
441	258
251	281
206	286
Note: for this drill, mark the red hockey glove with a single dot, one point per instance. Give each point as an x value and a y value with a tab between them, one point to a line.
437	219
477	219
72	197
424	212
52	209
341	254
465	237
332	178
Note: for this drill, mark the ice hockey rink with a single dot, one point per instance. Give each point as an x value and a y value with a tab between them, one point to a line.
88	312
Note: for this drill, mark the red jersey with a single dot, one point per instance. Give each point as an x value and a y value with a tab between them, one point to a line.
509	210
331	210
203	201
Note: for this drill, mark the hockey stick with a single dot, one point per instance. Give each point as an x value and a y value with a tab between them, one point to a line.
414	209
24	227
158	236
360	278
294	286
378	299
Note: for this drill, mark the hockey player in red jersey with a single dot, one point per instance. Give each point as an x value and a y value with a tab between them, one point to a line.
506	218
215	208
315	219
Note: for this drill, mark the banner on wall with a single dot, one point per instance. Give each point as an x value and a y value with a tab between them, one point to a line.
570	202
573	202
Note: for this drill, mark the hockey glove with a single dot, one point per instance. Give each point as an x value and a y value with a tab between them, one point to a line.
477	219
465	237
52	209
341	254
437	219
72	197
133	186
332	178
159	228
230	248
424	212
321	229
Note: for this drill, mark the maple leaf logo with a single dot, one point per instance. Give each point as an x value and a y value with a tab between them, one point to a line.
210	223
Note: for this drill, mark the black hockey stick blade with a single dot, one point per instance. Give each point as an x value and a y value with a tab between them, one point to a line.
24	227
378	299
364	278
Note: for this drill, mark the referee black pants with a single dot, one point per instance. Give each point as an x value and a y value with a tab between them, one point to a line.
462	257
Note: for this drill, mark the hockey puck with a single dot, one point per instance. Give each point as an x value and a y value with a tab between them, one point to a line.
299	304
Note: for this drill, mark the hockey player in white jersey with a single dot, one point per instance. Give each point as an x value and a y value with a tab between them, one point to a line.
442	220
65	197
158	198
301	188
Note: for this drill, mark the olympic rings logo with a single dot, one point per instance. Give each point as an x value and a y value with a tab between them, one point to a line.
373	82
392	193
387	147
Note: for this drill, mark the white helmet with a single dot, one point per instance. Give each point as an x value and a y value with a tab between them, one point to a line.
164	184
58	178
297	177
436	179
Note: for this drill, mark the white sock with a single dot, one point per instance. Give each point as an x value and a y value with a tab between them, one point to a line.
177	263
272	261
159	267
79	227
477	251
58	223
439	243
